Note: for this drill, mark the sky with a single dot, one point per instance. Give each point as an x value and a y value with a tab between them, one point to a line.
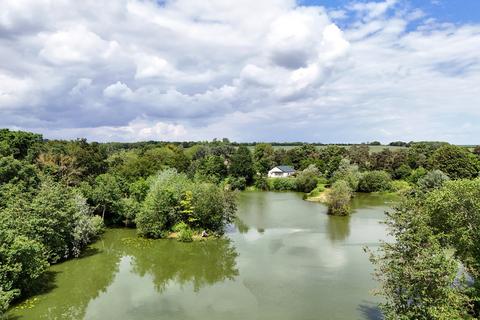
271	70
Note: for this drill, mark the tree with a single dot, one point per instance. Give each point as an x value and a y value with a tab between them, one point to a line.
402	172
360	155
22	261
419	153
418	279
19	144
456	162
454	210
174	199
432	180
332	155
263	158
106	194
242	164
338	199
213	207
398	144
15	171
90	158
307	179
476	150
349	173
56	217
159	211
302	156
374	181
214	167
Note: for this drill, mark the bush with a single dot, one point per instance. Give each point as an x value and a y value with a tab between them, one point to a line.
307	179
236	183
349	173
261	182
316	192
338	199
432	180
184	233
416	174
282	184
375	181
400	185
402	172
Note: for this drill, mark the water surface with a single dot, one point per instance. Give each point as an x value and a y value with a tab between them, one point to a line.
285	258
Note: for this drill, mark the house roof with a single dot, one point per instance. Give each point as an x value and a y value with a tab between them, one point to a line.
286	169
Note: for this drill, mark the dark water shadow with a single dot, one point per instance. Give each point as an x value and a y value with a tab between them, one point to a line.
44	284
89	252
10	317
370	311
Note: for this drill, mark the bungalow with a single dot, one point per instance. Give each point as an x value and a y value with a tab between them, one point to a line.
281	172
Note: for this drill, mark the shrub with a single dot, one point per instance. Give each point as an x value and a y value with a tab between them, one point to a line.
432	180
184	233
307	179
282	184
402	172
316	192
374	181
260	182
236	183
338	199
400	185
416	174
349	173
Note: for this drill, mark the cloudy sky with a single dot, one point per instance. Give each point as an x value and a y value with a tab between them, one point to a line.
249	70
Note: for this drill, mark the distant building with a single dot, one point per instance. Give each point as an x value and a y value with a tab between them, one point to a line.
281	172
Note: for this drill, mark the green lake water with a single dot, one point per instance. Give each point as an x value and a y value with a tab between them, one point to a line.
284	258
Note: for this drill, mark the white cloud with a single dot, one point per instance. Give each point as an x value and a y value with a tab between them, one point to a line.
198	69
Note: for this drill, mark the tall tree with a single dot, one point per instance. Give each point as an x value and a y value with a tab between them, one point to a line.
457	162
263	158
242	164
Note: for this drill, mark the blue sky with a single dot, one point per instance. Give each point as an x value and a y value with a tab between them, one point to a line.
270	70
456	11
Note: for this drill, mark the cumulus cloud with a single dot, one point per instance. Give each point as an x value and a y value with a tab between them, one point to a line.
247	70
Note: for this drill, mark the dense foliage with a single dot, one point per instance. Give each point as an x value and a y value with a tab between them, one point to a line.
56	196
339	198
420	278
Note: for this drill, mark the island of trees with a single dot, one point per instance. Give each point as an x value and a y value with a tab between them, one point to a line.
57	196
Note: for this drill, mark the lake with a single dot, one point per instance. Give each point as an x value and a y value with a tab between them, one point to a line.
284	258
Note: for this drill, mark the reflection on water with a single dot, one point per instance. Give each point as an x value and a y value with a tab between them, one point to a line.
338	228
284	259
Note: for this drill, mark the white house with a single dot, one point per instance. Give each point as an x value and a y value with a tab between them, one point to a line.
281	172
